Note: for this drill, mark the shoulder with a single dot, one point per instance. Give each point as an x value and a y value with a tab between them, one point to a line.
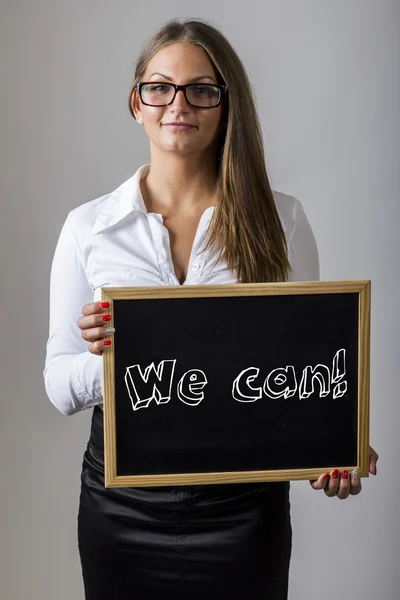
80	220
302	246
288	209
99	214
85	215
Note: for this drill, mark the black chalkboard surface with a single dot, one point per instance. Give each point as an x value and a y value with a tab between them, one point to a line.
229	383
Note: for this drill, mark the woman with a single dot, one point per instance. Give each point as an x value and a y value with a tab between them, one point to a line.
201	213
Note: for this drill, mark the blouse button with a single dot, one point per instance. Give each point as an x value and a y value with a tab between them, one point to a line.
196	267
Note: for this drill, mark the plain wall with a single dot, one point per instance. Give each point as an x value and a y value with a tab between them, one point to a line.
326	77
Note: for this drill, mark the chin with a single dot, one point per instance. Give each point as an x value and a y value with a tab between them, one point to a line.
180	148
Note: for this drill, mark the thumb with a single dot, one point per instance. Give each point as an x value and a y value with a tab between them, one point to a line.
320	483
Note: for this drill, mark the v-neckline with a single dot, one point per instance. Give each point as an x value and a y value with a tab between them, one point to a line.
194	245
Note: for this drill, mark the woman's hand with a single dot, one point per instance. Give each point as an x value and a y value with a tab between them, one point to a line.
95	326
342	484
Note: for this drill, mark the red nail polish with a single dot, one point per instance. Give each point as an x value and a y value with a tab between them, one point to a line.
326	477
345	474
104	304
335	474
107	343
106	317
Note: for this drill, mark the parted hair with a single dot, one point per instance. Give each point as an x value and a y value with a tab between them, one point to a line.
245	227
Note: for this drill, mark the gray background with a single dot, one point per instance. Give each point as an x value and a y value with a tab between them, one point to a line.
326	76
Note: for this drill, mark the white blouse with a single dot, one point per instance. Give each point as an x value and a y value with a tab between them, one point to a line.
114	241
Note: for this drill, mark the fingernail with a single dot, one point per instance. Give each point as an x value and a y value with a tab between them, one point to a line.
326	477
104	304
355	473
107	343
106	317
110	330
335	474
345	474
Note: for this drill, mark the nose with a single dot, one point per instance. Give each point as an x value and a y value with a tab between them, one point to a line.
180	102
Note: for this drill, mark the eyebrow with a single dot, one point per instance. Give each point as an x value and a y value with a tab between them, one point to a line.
190	81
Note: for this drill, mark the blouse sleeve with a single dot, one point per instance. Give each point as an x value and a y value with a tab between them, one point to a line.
72	375
302	249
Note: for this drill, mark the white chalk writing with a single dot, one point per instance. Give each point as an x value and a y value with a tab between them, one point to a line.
156	383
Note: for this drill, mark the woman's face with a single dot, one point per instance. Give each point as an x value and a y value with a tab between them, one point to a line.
180	63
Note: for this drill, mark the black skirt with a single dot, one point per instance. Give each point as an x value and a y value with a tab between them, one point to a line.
210	542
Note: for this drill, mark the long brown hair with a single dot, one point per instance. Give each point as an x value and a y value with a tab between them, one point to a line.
245	226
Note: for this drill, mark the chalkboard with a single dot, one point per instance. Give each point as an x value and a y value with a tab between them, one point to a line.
228	383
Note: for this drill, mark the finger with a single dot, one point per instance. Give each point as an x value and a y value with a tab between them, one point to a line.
344	486
355	488
320	483
333	485
97	333
99	347
95	307
93	320
373	459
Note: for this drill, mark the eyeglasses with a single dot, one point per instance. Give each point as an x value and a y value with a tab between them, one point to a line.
198	95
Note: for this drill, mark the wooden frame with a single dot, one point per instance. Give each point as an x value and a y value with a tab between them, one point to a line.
362	288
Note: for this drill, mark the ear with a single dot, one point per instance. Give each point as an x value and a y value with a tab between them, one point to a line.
135	101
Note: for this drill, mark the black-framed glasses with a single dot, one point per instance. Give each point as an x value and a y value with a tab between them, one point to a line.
198	95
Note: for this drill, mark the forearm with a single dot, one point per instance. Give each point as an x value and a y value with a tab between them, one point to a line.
72	375
74	382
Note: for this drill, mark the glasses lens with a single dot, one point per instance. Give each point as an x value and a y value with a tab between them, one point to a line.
203	95
157	94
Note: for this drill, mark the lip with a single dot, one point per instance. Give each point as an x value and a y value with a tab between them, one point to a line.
178	125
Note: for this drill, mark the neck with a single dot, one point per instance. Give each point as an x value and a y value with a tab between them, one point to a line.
179	184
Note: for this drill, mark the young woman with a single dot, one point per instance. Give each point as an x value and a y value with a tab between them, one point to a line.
202	212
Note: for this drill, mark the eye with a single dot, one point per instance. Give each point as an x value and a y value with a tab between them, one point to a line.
159	87
156	88
203	91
